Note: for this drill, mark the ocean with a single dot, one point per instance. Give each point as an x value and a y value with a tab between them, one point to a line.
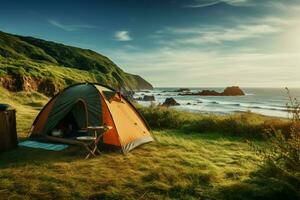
265	101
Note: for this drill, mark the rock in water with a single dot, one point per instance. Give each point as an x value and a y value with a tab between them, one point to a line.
233	91
149	98
229	91
170	102
209	93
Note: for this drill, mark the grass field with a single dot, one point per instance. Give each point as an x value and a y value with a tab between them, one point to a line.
180	165
176	166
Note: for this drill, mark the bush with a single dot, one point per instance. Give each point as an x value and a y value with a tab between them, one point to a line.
247	124
160	117
281	156
284	149
204	124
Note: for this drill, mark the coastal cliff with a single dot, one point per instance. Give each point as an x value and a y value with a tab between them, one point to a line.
28	63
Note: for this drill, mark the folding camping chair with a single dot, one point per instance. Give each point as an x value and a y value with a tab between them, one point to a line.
91	142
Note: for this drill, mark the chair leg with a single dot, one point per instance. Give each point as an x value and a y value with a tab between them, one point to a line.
90	152
96	150
93	148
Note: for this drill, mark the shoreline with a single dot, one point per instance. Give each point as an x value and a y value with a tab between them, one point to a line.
218	113
263	101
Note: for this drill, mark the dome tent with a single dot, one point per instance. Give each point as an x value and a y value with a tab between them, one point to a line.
92	104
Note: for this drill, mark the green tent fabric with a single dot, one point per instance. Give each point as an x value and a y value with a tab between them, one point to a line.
70	99
109	94
79	114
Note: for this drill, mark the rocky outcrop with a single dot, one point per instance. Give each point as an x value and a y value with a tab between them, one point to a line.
209	93
48	87
7	83
129	94
233	91
149	98
26	83
146	98
228	91
202	93
140	83
18	83
170	102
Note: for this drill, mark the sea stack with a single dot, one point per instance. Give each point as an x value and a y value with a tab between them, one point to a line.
233	91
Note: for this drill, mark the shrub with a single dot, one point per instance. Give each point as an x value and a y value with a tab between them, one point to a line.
161	117
281	155
247	124
204	124
284	149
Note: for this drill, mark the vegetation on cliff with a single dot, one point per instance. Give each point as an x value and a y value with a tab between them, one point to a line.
34	63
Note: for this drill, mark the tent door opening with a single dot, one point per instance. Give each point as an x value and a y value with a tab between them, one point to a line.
74	123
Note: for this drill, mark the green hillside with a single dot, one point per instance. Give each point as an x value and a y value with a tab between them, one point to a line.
40	60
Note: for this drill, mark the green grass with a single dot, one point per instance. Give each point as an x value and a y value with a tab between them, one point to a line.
179	165
27	105
176	166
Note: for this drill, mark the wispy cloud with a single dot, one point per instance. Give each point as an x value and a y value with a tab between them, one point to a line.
194	67
284	5
187	55
70	27
217	34
122	36
207	3
260	50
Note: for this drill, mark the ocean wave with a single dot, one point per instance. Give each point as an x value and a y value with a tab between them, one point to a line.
245	105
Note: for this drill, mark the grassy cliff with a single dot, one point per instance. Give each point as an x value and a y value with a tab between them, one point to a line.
61	65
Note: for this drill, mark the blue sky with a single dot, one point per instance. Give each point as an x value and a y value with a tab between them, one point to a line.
192	43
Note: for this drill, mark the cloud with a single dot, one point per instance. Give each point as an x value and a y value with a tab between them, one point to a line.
192	67
73	27
207	3
122	36
188	57
240	32
218	34
290	5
